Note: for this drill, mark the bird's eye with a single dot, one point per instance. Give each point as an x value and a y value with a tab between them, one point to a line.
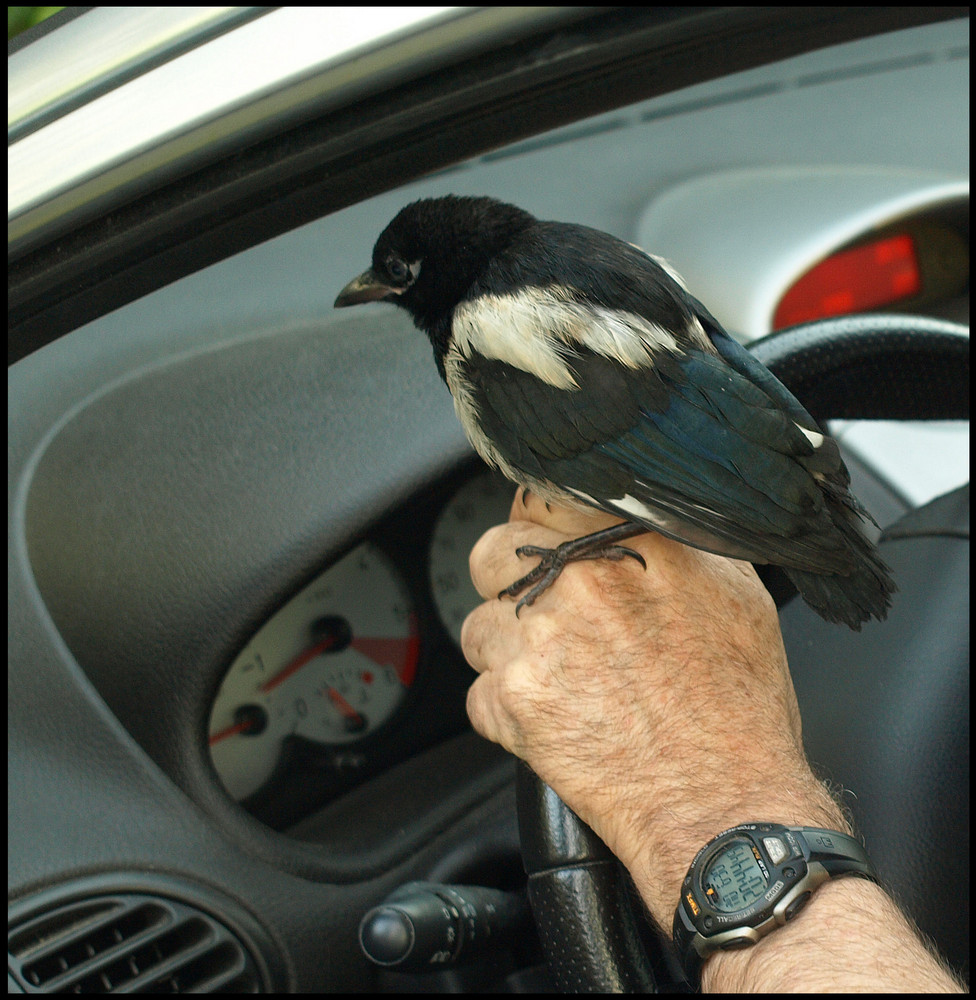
397	270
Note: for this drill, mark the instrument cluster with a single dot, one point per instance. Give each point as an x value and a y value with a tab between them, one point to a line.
362	667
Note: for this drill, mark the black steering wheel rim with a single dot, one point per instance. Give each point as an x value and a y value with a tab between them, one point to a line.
870	366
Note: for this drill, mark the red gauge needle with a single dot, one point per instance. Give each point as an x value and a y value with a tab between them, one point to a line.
300	661
401	654
238	727
344	707
248	719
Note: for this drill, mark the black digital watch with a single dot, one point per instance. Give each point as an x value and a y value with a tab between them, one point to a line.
752	879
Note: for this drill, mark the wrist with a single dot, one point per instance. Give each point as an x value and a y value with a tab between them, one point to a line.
659	859
851	933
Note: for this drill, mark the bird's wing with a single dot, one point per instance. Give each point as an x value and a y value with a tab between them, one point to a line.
589	367
686	444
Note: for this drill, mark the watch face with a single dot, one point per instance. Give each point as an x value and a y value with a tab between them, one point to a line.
734	879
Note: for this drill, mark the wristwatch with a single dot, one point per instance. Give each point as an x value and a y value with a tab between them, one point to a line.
752	879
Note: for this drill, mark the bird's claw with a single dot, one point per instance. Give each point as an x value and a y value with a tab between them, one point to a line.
553	561
525	500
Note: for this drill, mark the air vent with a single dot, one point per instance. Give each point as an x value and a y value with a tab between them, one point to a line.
129	943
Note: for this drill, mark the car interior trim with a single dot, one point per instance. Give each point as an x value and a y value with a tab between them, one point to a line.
547	73
301	61
70	67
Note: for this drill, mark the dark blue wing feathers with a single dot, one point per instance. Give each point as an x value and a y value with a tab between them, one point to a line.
687	460
712	444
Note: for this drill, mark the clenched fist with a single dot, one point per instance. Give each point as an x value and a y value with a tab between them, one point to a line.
657	703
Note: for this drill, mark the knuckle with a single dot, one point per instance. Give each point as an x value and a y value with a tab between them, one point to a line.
488	551
474	629
474	705
521	685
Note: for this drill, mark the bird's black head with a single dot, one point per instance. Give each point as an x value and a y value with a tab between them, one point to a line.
429	255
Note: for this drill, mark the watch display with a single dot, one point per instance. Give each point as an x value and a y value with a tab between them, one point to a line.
735	878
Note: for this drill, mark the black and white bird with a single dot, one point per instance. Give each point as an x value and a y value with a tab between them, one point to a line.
585	371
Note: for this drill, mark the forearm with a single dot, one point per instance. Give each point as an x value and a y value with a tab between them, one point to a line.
850	936
660	707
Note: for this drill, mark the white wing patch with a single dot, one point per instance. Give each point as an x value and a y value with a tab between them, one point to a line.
536	329
813	437
631	508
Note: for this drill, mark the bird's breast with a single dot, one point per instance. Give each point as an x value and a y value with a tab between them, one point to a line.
466	408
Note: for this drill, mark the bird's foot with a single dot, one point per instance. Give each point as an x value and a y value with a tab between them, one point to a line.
599	545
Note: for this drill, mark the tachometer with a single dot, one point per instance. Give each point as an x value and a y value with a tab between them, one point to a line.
333	666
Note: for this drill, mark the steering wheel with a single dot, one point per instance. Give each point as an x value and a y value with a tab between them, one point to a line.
869	367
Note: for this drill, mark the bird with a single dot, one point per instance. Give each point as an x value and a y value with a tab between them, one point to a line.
585	371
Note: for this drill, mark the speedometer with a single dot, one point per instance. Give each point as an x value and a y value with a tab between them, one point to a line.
483	501
332	666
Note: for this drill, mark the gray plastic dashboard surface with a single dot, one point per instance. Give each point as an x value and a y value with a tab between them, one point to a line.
168	514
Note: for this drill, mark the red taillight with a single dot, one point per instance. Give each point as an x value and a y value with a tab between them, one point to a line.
864	277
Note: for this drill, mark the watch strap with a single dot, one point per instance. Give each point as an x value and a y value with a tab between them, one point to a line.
839	853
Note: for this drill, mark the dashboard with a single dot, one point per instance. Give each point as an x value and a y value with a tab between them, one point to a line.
361	668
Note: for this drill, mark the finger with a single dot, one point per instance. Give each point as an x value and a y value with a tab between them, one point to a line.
493	644
485	715
486	637
475	630
493	563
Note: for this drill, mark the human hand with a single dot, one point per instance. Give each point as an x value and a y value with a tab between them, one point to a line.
657	704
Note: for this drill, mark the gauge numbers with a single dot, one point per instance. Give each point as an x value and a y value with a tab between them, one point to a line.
482	502
333	665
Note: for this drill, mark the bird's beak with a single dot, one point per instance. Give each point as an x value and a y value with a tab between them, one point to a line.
366	288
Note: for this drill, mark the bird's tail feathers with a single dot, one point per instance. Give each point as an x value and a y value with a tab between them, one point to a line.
854	598
839	495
